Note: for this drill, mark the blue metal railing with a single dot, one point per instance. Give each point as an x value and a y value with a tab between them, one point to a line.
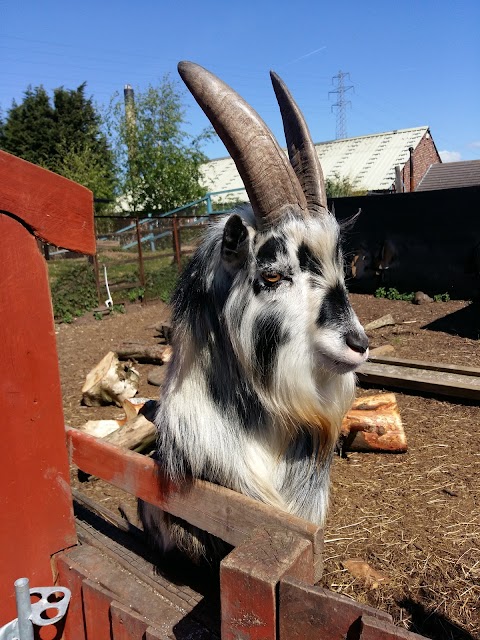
152	237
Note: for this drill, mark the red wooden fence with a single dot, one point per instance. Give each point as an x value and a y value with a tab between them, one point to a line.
35	501
267	581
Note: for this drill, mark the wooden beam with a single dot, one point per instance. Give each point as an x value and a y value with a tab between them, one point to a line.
222	512
429	366
36	502
440	379
308	612
249	578
55	209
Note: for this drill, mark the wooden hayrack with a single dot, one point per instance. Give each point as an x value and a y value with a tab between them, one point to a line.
266	583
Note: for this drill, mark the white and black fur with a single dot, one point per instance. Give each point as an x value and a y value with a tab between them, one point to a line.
265	344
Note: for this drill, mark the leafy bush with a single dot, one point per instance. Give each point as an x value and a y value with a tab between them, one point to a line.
136	294
337	186
74	292
393	294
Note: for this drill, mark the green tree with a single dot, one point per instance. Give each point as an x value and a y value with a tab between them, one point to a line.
158	161
29	129
82	150
339	187
65	136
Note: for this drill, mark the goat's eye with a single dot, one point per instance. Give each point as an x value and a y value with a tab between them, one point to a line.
271	277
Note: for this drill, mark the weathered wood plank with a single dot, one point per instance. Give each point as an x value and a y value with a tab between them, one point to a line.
374	629
106	581
249	578
430	366
69	575
126	624
57	210
308	612
33	462
443	382
226	514
96	607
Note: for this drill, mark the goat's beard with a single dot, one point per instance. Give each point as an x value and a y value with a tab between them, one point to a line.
302	396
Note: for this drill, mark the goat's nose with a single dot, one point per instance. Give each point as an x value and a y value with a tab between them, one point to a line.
357	341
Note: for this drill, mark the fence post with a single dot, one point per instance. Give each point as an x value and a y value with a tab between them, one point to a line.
94	260
36	503
140	254
176	242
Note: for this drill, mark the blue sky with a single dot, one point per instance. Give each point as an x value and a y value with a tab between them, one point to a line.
411	63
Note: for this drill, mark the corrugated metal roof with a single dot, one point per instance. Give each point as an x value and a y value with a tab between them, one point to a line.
451	175
367	161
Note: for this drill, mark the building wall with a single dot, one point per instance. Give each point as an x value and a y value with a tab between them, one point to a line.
424	154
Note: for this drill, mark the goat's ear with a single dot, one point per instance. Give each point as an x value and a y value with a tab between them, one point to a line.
235	242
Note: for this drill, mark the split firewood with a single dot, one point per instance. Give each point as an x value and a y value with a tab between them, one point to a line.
380	322
383	350
374	424
152	354
135	434
110	382
134	431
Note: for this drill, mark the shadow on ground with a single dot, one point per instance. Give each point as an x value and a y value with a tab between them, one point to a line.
432	624
464	322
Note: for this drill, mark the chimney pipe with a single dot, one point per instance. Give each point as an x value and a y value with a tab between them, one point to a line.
398	180
412	181
129	100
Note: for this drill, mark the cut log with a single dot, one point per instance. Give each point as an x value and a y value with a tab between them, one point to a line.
380	322
374	424
135	434
152	354
110	382
132	432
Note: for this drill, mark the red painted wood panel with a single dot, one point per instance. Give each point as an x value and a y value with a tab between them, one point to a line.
126	624
249	578
70	575
58	210
96	605
308	612
374	629
35	501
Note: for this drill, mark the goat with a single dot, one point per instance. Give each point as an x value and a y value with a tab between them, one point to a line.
387	259
361	263
265	342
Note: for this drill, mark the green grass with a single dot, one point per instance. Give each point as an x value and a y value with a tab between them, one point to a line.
73	288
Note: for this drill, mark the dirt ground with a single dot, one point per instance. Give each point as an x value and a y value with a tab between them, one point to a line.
414	517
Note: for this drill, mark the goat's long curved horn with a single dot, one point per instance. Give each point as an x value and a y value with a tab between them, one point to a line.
268	177
301	149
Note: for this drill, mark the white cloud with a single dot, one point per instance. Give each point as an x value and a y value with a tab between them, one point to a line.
450	156
475	144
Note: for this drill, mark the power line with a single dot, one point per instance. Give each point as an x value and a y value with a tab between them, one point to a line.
341	104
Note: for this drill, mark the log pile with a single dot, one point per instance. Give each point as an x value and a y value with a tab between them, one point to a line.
372	424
